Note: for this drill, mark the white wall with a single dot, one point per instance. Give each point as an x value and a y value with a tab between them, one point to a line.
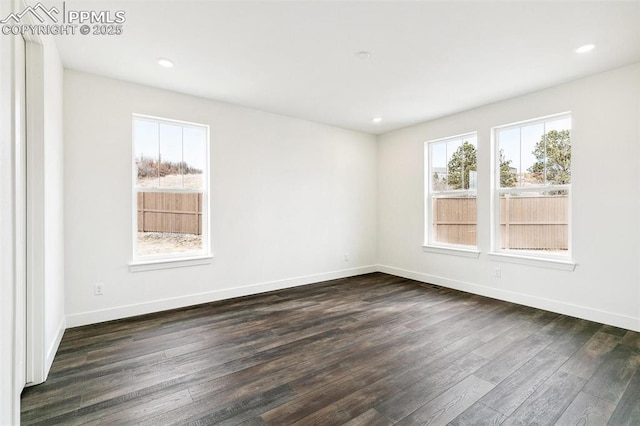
605	285
288	199
54	279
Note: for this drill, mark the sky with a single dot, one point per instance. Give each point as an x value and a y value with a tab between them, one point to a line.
175	143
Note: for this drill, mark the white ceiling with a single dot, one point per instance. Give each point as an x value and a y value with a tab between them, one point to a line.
428	59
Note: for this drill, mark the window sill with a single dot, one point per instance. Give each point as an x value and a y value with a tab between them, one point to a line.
452	251
180	262
539	262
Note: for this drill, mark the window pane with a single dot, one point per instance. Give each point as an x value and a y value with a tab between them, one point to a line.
509	157
170	156
453	169
438	166
147	150
558	156
533	216
532	151
194	157
453	213
535	222
454	220
470	163
454	164
169	222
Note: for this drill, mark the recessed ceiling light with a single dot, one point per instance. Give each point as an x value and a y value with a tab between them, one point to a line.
363	54
376	120
164	62
586	48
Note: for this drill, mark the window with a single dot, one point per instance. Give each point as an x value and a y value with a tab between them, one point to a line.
533	187
171	180
451	191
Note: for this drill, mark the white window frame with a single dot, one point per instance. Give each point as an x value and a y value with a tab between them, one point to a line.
557	261
171	260
430	245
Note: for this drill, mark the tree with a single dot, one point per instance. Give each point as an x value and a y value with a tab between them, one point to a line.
553	158
150	167
507	173
464	161
439	183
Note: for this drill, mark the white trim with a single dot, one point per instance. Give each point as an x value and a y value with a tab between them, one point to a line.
430	195
537	261
530	121
92	317
460	136
155	119
164	263
497	190
53	349
20	218
533	188
36	357
452	251
591	314
173	190
207	248
455	193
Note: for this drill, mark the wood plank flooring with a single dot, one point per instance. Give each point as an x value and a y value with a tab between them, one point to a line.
368	350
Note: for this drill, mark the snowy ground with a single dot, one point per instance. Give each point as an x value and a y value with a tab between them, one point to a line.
161	243
193	181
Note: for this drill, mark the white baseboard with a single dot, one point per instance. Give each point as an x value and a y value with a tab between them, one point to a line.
53	349
120	312
591	314
92	317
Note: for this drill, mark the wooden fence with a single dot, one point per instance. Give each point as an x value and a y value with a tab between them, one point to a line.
170	212
454	220
526	222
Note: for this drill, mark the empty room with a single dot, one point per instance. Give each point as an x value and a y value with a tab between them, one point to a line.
319	212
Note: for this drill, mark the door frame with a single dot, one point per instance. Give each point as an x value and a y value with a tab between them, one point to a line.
20	224
34	214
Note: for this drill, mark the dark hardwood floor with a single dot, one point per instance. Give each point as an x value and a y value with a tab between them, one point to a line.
368	350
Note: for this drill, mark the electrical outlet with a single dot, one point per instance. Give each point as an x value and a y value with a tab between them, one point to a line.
346	257
497	272
98	289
